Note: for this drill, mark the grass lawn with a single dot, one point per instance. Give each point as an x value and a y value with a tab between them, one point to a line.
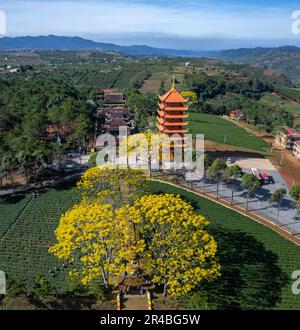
256	262
218	129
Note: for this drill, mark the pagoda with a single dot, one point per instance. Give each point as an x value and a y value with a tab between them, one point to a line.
172	113
113	114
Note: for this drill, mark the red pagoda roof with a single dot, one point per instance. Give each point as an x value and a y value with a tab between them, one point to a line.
162	114
173	97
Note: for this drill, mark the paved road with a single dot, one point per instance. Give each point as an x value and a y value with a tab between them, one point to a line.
259	201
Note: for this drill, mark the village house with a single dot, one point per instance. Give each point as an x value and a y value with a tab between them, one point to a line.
236	114
296	150
287	138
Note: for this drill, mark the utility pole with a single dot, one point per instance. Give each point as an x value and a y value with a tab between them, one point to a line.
282	159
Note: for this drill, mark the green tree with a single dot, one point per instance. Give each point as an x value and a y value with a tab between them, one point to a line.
15	288
9	166
277	198
295	194
179	252
207	163
217	170
42	287
250	183
232	173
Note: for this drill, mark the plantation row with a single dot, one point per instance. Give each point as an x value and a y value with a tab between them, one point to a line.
10	209
222	131
24	252
256	262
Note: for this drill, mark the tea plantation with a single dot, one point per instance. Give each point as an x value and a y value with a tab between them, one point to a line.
256	262
26	232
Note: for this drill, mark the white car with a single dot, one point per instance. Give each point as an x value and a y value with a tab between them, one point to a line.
228	160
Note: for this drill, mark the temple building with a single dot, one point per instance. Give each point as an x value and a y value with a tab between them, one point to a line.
113	114
172	115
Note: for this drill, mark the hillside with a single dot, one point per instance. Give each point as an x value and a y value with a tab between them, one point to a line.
284	59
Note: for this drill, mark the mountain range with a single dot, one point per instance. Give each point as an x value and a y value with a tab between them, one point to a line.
53	42
285	59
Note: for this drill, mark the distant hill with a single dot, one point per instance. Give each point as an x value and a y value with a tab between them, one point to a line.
52	42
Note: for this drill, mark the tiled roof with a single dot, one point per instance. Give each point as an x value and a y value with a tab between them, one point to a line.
173	97
114	98
291	131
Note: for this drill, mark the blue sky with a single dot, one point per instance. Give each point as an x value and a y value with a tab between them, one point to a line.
188	24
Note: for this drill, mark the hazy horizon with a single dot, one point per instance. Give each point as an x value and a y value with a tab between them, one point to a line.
190	25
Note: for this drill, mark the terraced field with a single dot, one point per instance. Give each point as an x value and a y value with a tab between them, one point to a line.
222	131
152	85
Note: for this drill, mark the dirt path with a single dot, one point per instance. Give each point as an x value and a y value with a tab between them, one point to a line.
134	302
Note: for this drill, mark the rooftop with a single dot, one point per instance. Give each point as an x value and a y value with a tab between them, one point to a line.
292	132
173	96
113	98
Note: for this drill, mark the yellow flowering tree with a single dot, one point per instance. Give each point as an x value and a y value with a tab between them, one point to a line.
179	252
192	96
97	242
146	146
112	185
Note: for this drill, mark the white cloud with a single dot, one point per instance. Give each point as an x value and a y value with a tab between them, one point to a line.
191	19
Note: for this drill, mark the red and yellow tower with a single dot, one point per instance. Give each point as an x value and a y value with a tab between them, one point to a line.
172	115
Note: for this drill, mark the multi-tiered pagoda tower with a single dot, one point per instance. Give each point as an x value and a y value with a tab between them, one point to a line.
172	115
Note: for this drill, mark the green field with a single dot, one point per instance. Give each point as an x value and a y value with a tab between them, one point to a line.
26	232
256	262
220	130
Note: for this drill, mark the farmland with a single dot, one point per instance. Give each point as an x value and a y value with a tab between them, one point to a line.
27	230
220	130
256	262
